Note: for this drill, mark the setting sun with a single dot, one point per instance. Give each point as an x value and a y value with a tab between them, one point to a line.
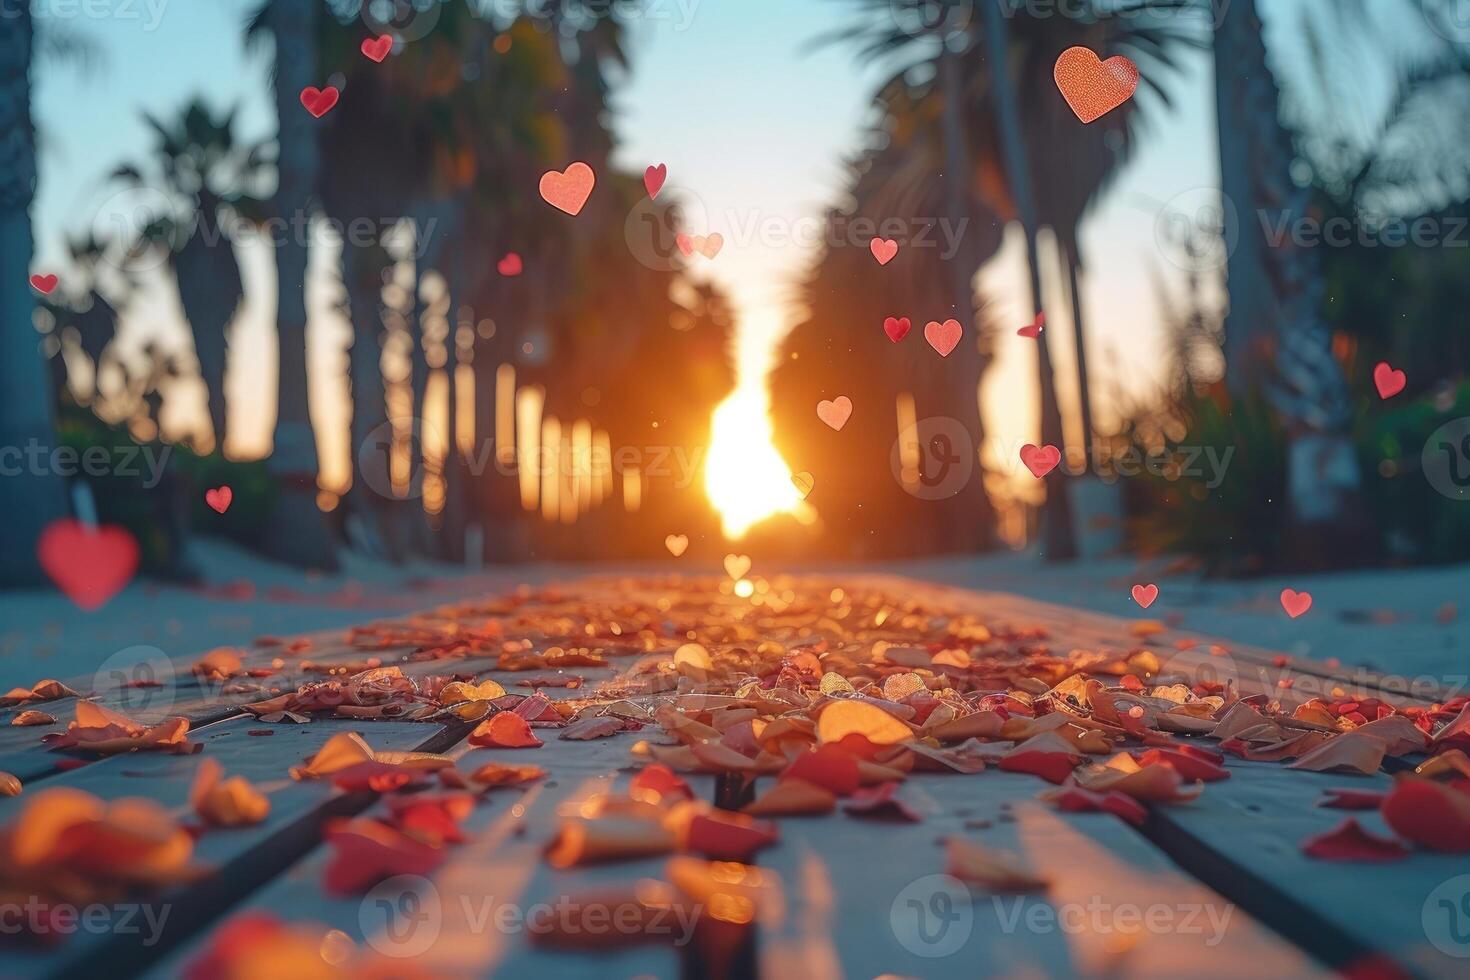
745	477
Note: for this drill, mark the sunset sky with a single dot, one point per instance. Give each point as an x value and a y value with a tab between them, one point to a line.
753	125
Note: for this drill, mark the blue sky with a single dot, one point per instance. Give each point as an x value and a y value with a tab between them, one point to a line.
751	121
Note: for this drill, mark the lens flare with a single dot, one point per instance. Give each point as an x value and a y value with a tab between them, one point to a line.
745	478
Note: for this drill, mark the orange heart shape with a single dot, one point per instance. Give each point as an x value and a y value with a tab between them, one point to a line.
1092	87
944	337
568	190
883	250
835	412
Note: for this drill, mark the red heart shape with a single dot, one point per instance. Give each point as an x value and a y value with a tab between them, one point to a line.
44	284
653	179
376	49
568	190
510	266
1145	595
1092	87
1040	461
220	499
91	565
319	102
1295	603
944	337
897	329
883	250
1035	329
1389	381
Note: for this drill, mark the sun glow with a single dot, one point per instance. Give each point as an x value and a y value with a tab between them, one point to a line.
745	478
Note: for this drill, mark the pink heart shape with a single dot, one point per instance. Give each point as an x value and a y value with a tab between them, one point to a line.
883	249
568	190
91	565
897	329
219	500
1295	603
1040	461
1389	381
1145	595
835	412
510	266
944	337
319	102
653	179
376	49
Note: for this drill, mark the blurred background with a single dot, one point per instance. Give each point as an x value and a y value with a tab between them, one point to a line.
370	328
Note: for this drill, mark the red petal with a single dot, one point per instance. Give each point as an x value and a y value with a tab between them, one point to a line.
1429	814
829	766
1054	767
656	783
1187	765
1351	799
1075	799
505	730
879	803
367	852
729	837
1348	841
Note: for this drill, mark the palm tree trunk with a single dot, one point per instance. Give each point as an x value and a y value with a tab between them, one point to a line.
1280	286
298	532
970	522
30	500
1072	256
367	501
1059	537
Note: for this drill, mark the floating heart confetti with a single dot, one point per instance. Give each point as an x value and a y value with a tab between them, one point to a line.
944	337
219	499
376	49
510	266
677	544
44	284
1389	381
883	249
91	565
804	483
897	329
737	565
1093	87
1040	461
653	179
319	101
568	190
1036	327
1145	595
709	247
835	412
1295	603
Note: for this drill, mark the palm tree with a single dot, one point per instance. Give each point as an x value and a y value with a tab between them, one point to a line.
1276	336
298	533
1019	130
31	500
198	164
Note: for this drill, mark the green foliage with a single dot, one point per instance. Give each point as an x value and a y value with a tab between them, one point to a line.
1415	520
1236	527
